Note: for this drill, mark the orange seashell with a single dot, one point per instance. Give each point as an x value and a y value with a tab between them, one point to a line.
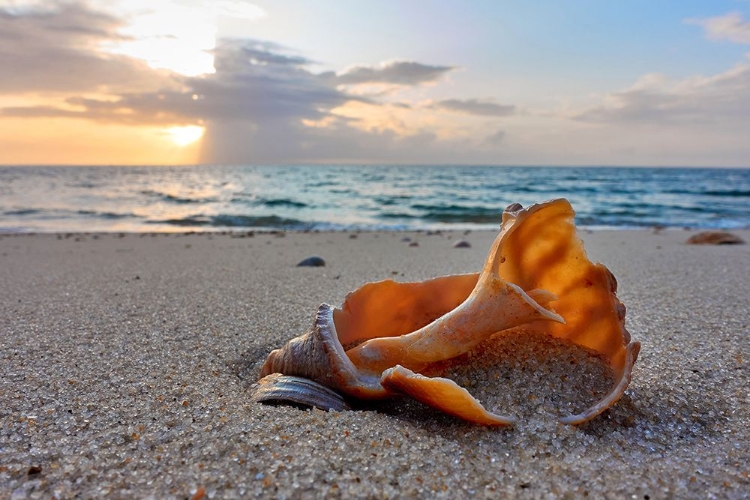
386	335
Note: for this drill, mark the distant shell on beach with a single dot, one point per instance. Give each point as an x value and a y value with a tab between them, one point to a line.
715	238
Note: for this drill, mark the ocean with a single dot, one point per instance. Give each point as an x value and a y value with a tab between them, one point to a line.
210	198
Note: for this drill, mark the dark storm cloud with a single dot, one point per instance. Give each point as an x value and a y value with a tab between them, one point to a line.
474	107
57	50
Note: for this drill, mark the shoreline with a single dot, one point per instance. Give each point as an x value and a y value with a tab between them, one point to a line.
744	232
128	361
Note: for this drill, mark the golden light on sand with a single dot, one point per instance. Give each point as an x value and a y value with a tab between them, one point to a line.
183	136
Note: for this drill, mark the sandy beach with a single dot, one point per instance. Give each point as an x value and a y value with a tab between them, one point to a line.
127	362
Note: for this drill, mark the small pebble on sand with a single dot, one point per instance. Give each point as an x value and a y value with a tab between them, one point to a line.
312	261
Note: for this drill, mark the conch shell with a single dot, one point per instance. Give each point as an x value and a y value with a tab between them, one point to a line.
386	334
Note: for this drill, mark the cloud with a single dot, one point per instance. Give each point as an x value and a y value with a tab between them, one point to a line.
237	10
474	107
721	99
234	54
727	27
393	72
294	143
494	140
255	108
57	50
250	83
264	103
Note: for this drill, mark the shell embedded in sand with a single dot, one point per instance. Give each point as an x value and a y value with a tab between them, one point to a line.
387	336
715	238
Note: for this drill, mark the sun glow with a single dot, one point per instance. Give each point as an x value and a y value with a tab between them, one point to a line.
175	37
183	136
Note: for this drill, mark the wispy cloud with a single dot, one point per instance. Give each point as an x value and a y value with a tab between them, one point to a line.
393	72
474	107
238	9
727	27
495	139
721	99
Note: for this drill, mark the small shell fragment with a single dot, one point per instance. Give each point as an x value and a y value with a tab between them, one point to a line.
278	388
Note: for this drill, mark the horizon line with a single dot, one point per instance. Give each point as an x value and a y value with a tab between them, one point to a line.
360	164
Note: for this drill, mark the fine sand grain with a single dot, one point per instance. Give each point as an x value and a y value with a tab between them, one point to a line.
127	363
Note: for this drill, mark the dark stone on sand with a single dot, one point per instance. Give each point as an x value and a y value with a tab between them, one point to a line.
462	244
414	244
715	238
312	261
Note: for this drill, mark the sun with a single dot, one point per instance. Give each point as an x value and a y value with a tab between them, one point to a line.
176	35
167	35
183	136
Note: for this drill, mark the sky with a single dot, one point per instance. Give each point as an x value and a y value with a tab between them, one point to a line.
159	82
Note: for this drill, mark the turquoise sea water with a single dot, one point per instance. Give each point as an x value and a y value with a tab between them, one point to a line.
146	199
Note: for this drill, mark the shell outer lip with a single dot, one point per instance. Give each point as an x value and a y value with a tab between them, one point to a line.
277	388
